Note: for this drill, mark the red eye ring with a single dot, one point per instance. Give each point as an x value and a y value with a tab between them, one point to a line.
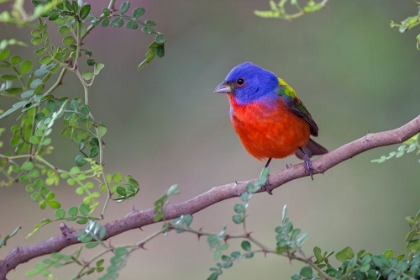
240	82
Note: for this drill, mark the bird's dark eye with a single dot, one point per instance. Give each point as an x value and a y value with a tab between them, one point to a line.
240	82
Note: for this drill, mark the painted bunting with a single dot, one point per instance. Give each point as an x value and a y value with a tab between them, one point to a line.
268	116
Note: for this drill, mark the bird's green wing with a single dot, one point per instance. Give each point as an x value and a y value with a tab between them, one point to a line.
296	105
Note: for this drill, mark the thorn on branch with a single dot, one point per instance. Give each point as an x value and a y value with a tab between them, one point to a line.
265	252
141	246
199	234
227	236
66	231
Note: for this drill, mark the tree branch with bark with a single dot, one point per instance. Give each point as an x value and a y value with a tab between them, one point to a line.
141	218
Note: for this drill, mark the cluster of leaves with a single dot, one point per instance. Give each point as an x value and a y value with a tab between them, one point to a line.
409	23
108	18
279	10
71	215
364	265
408	146
81	128
121	189
288	243
91	237
40	109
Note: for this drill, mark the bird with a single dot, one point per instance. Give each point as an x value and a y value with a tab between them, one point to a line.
268	116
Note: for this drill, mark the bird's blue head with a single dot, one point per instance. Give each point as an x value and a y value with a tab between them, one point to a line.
248	82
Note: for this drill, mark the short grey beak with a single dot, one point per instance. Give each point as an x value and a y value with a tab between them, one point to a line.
223	88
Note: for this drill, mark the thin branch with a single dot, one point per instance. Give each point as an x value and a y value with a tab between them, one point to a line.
137	219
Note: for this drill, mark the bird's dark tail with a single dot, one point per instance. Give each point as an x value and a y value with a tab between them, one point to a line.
312	148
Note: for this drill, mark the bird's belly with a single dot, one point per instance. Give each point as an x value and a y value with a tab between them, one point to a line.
273	134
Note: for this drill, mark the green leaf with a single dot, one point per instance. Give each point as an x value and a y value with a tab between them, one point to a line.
138	12
45	60
84	11
160	39
8	77
105	22
25	67
97	68
63	30
318	254
129	179
42	204
239	208
147	30
27	94
80	160
36	41
414	245
345	254
294	234
124	7
150	23
131	24
237	219
74	104
67	41
102	130
58	22
173	190
46	141
87	75
118	22
72	211
50	105
388	254
27	165
74	6
14	90
34	173
92	244
15	60
54	15
380	260
90	61
106	12
306	272
84	109
121	191
410	221
246	245
54	204
84	209
60	213
4	54
160	51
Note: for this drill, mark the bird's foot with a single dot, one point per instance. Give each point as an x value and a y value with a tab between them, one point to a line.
307	164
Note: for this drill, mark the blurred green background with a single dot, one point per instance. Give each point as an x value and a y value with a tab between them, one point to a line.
353	72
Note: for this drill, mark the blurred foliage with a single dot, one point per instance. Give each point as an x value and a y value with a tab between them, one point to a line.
409	23
280	10
40	108
408	146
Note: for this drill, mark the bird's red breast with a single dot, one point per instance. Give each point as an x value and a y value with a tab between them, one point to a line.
268	131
